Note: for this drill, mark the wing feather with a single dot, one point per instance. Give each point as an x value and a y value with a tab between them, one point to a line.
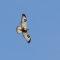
26	36
23	21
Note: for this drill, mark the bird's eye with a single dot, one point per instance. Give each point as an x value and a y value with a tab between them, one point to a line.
25	20
28	36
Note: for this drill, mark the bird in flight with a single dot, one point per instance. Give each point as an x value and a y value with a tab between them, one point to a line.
24	29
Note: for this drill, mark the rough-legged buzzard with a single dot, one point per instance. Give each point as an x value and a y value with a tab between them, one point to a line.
24	29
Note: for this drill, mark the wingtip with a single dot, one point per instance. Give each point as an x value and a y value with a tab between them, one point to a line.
29	41
24	15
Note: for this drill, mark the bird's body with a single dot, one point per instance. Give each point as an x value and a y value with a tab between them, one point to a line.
24	29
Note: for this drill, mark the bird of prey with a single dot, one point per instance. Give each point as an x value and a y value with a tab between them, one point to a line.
24	29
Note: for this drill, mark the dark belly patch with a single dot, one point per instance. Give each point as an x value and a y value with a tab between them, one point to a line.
24	30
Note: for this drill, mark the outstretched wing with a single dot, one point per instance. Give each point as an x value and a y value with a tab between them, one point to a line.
18	29
23	21
26	36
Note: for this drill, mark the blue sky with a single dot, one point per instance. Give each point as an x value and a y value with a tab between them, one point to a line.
44	23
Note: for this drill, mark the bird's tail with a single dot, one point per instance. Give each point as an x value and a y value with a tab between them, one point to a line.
18	29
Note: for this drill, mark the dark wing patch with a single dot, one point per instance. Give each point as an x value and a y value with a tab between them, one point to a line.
24	15
23	21
26	36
